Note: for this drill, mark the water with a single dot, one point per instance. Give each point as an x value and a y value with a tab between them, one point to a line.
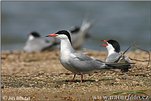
126	22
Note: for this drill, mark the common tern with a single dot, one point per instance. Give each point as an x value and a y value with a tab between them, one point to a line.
77	63
114	54
36	43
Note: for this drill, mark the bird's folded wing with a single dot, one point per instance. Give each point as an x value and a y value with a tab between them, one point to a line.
81	57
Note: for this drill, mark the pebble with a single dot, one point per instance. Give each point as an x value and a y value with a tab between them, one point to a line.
117	80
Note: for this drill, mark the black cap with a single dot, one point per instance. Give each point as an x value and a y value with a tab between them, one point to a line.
35	34
65	32
115	44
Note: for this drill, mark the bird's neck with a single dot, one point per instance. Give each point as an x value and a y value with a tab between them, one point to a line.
111	51
66	47
30	37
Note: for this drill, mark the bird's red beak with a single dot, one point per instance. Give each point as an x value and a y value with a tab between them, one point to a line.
104	45
52	35
104	40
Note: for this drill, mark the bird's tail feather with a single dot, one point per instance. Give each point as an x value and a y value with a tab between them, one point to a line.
124	67
118	65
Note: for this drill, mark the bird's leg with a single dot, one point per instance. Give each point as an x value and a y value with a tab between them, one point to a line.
81	78
74	77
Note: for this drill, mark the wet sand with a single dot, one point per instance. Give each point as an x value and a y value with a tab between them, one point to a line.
41	77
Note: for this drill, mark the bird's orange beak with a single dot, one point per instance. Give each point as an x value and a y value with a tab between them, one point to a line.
52	35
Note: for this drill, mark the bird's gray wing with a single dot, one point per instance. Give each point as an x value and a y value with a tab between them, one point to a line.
82	57
113	57
83	63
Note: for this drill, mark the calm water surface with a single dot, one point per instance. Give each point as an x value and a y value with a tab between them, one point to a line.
126	22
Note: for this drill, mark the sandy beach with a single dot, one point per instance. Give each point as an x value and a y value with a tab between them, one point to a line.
40	77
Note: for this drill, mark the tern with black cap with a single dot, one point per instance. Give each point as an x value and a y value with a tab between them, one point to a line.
36	43
114	54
